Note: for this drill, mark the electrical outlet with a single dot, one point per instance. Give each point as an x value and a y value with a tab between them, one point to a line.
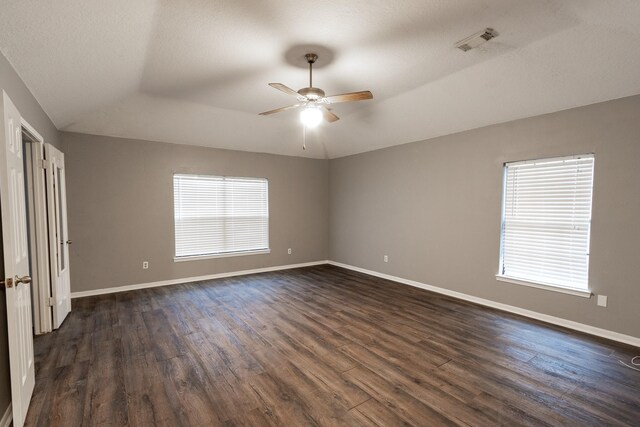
386	258
145	265
602	300
289	251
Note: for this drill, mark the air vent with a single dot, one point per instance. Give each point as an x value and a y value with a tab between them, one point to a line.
477	39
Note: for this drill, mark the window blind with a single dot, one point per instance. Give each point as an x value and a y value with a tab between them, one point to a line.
546	221
220	215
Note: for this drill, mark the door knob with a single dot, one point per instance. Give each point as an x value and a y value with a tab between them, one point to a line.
24	279
9	282
69	242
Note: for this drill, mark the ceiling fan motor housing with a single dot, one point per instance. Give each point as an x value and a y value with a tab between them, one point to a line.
312	92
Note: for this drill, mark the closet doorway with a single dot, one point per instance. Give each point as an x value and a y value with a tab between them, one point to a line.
48	233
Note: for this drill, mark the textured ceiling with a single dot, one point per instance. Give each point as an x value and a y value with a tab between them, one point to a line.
196	71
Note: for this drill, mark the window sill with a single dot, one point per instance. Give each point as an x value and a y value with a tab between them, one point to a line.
570	291
224	255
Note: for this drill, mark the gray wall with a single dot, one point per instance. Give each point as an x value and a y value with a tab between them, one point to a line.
29	108
120	208
11	83
434	208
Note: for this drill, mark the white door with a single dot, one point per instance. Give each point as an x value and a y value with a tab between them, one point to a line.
16	261
38	232
58	234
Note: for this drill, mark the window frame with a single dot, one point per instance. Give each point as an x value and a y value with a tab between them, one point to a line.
183	258
586	293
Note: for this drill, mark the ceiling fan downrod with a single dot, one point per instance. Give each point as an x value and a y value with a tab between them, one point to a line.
311	58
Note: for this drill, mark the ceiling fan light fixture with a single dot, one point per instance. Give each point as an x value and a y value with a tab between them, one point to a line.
311	117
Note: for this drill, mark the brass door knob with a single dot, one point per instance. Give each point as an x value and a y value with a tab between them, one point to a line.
9	282
25	279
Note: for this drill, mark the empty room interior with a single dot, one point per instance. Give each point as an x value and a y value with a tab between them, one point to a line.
304	213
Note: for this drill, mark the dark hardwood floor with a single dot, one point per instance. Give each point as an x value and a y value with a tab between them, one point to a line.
321	346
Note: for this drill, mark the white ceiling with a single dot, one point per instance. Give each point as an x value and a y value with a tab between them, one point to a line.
196	71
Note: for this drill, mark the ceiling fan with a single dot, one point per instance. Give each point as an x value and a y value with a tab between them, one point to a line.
314	101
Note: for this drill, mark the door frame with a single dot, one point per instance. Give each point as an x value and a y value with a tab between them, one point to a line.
38	231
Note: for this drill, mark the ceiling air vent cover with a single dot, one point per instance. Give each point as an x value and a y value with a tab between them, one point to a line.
477	39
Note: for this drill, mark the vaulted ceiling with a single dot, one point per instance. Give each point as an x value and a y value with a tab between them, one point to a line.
196	71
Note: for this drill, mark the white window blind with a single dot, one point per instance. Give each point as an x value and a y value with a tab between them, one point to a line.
217	215
546	221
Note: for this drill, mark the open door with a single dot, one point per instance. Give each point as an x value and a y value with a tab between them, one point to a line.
16	261
58	234
33	146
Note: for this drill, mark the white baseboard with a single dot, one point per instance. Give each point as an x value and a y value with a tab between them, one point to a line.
604	333
190	279
7	417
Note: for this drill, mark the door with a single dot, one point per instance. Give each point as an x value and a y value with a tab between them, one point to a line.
33	147
58	234
16	261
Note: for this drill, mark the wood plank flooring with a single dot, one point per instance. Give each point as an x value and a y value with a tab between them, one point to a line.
320	346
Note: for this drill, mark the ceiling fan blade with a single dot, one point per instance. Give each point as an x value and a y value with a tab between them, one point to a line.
348	97
277	110
329	116
284	89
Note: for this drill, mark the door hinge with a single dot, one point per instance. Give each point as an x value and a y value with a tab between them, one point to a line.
44	163
52	301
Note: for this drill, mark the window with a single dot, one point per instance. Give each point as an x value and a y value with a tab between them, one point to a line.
546	221
218	216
